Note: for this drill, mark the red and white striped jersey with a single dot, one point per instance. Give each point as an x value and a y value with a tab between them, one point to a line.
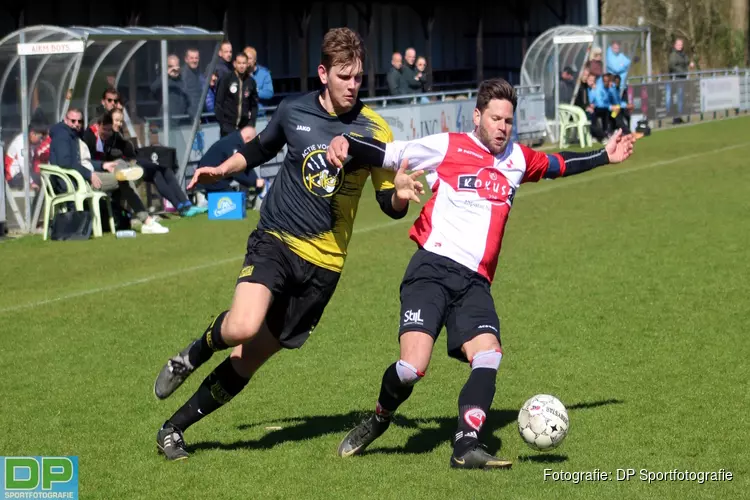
472	193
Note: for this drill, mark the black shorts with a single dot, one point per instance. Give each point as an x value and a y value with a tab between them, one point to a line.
301	290
438	292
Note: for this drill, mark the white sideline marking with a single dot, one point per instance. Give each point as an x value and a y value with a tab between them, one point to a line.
170	274
376	227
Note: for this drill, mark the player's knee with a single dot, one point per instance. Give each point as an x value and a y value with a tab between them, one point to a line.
239	328
407	373
487	359
481	343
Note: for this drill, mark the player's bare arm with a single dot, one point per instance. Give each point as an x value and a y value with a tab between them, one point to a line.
210	175
262	148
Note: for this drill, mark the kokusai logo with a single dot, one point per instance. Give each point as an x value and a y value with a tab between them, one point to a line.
489	183
320	177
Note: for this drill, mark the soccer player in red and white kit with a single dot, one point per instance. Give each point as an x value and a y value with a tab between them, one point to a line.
474	177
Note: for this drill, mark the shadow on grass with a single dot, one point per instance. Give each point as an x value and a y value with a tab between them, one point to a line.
432	432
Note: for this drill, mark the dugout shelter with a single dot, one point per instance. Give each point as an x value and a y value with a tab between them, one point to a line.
572	47
45	70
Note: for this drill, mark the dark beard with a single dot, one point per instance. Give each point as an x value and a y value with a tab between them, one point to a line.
486	140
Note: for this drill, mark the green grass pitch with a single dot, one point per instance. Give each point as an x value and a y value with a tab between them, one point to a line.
623	291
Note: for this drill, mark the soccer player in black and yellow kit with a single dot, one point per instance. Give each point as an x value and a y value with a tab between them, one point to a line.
296	254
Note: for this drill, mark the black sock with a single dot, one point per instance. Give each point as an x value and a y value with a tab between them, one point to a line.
473	405
393	392
217	389
211	341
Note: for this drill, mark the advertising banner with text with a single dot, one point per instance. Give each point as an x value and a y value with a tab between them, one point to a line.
406	122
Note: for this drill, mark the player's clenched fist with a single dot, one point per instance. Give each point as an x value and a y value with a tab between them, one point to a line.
338	151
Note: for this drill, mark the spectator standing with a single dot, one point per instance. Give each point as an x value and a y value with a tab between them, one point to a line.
595	62
224	64
678	65
262	77
410	78
194	81
236	98
678	62
211	94
425	77
617	62
394	75
176	89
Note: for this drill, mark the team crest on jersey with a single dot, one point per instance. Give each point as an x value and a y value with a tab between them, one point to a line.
489	183
320	177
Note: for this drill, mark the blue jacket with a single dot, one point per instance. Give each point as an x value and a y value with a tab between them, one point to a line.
618	64
262	77
263	81
615	97
65	149
600	97
210	100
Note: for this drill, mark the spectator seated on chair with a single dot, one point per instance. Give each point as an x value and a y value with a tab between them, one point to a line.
106	143
220	151
599	108
15	162
66	151
621	91
617	105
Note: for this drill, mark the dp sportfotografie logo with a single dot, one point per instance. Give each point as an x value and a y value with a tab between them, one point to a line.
39	477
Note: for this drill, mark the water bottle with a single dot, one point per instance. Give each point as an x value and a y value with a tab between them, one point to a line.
125	233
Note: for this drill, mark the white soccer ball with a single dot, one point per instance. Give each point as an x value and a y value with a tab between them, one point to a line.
543	422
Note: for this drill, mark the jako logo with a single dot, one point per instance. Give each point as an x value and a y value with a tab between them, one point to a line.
224	206
413	317
304	128
39	477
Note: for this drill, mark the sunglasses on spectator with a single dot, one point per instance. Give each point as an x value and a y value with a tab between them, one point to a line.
75	120
112	100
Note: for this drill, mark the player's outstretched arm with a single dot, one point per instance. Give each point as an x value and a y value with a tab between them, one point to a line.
425	153
618	149
541	165
210	175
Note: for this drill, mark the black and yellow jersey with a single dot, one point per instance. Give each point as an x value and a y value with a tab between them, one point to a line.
312	204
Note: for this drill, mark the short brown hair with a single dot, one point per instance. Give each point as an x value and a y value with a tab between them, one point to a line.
341	46
495	88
